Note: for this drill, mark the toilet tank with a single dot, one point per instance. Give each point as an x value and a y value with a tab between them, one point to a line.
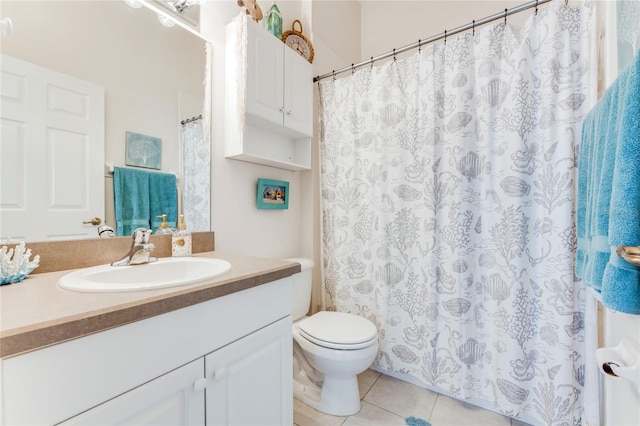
301	288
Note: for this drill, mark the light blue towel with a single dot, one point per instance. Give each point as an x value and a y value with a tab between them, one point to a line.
608	202
163	199
131	199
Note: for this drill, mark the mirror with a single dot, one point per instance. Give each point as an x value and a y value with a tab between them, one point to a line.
152	75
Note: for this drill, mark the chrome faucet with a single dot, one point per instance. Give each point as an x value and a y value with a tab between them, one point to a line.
140	249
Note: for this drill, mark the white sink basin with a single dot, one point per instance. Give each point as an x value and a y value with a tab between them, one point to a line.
166	272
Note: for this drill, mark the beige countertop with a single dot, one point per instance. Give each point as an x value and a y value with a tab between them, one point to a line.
36	313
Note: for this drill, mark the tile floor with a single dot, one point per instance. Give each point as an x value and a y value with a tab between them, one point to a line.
387	401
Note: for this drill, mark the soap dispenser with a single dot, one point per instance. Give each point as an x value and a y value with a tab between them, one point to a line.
164	226
181	240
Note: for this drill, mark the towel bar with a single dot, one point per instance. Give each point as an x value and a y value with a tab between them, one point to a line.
630	254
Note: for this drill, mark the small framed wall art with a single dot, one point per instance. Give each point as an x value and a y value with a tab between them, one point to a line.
273	194
143	151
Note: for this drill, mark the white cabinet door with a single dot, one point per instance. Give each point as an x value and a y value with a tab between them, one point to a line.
249	382
51	153
176	398
279	82
265	75
298	93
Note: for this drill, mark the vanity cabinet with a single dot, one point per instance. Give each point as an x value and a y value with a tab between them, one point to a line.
249	382
224	361
176	398
269	99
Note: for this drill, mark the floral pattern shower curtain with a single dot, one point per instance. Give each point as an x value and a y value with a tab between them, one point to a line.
448	184
197	177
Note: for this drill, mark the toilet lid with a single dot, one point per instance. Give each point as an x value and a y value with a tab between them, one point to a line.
338	330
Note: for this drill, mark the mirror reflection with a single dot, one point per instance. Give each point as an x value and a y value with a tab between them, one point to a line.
109	69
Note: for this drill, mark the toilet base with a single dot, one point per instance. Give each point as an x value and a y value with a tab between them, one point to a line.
339	396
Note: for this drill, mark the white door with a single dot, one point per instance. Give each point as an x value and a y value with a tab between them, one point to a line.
249	382
176	398
298	93
51	153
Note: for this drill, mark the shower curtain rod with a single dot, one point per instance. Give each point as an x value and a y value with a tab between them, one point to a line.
189	120
444	35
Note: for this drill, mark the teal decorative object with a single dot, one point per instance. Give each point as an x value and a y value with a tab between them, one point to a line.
273	21
415	421
15	264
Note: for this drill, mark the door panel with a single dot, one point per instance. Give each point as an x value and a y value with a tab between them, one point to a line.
171	399
249	382
52	153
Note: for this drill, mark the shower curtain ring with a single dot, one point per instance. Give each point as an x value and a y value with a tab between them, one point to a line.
536	7
394	55
473	28
445	37
419	46
372	62
334	75
353	69
505	16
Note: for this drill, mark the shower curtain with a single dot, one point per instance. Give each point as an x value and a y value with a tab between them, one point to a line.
196	171
447	190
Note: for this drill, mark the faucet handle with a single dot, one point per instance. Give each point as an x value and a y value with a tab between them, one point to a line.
141	235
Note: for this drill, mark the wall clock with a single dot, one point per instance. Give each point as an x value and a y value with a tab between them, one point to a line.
298	42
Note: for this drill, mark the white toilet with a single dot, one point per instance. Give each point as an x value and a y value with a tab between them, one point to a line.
329	350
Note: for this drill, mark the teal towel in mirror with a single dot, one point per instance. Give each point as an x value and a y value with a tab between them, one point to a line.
131	199
163	199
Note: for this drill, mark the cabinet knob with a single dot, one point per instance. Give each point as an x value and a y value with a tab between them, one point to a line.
289	112
200	384
220	374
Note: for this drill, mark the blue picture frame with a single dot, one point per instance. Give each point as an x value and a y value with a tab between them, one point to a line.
272	194
143	151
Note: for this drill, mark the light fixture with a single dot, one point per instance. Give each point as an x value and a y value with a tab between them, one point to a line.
7	27
133	3
165	20
181	6
173	12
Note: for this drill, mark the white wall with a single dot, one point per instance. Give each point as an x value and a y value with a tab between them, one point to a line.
239	226
393	24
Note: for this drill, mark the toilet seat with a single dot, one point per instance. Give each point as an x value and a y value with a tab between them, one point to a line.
338	330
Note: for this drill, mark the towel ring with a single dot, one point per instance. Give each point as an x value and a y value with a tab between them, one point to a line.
630	254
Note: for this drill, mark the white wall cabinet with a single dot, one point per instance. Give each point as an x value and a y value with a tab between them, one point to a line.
269	99
223	361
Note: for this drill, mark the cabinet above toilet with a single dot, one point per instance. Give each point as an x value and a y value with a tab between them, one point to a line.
269	99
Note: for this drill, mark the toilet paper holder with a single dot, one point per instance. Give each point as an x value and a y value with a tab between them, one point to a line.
621	361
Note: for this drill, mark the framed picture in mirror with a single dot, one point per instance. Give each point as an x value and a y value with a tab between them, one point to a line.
143	151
